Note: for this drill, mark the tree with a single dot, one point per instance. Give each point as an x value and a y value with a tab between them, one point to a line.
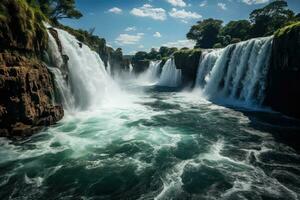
237	29
64	9
205	32
270	18
59	9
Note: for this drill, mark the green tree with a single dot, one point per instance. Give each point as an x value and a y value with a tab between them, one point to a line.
58	9
237	29
205	32
270	18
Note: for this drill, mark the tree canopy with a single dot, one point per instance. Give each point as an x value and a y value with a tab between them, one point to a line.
58	9
268	19
205	32
262	22
237	29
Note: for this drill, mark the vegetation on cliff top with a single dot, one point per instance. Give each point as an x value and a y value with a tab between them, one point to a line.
265	21
285	30
21	27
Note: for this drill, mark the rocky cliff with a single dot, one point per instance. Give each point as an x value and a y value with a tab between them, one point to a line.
283	86
188	60
26	86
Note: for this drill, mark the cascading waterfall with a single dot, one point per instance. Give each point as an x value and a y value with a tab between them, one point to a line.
151	75
130	68
89	82
55	64
108	68
237	72
170	76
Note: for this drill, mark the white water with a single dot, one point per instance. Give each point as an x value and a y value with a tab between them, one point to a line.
56	63
151	75
170	76
237	72
108	68
90	84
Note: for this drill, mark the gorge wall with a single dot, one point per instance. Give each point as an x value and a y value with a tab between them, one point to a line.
26	86
283	88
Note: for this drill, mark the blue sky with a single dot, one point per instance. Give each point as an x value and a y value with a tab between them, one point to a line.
136	25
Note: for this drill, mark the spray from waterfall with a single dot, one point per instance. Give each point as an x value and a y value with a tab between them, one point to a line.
237	72
170	76
88	85
151	75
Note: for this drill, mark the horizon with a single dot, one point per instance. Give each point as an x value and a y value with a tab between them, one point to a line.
141	25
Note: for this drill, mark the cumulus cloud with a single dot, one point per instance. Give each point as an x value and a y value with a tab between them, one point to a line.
184	15
157	35
203	3
130	28
148	10
181	43
250	2
115	10
179	3
123	39
222	6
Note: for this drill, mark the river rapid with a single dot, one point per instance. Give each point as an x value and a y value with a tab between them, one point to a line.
156	144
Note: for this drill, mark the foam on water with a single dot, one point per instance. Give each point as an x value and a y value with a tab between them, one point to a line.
151	144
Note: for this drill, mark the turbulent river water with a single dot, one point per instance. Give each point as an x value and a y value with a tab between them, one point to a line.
142	140
158	145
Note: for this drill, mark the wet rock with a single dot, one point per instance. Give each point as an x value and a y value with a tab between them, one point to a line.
26	90
283	91
188	60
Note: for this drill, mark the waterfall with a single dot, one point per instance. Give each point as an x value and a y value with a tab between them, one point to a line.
151	75
108	68
170	76
88	83
237	72
130	68
55	63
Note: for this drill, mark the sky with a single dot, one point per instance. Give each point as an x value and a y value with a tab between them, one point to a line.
139	25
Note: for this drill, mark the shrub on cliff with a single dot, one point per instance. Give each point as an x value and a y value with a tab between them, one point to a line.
21	27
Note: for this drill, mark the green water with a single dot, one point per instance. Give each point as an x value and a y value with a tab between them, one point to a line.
158	145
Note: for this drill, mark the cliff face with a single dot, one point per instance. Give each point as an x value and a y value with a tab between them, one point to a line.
188	61
26	86
283	86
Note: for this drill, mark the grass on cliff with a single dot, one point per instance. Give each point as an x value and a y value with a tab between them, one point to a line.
285	30
21	26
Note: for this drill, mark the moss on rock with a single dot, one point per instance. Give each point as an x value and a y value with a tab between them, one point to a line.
21	28
283	91
188	60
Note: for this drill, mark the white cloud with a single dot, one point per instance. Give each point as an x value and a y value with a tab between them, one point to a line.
141	46
115	10
222	6
148	10
181	44
179	3
157	35
250	2
130	28
123	39
203	3
184	15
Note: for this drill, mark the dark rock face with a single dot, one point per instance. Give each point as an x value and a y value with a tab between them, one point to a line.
26	90
139	66
188	61
283	84
26	86
117	61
